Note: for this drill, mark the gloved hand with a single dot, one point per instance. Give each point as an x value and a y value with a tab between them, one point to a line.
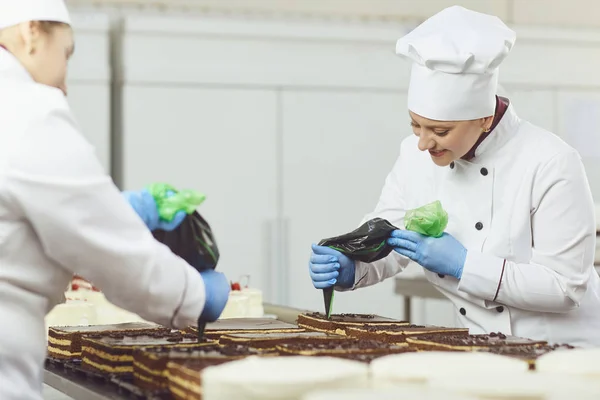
329	267
444	255
217	293
145	206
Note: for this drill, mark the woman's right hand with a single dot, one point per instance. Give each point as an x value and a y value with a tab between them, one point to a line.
329	267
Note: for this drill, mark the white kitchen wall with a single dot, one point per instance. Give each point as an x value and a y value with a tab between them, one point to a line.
290	126
89	81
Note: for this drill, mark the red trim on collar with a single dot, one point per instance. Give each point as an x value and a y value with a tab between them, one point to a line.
501	107
3	47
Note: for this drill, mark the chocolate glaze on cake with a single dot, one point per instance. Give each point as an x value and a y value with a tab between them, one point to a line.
65	342
264	341
150	364
339	322
345	347
399	333
219	328
529	353
468	342
113	353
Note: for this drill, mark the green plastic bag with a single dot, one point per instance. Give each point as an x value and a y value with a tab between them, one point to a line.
429	220
183	200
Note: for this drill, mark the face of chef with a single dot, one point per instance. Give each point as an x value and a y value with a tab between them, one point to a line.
447	141
44	49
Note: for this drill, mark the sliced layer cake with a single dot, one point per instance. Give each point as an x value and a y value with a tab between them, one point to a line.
399	333
113	353
65	342
150	364
271	340
222	327
342	347
468	342
338	323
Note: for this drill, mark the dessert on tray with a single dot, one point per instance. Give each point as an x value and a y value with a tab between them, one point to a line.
341	347
113	353
281	377
468	342
150	364
338	323
271	340
222	327
399	333
65	342
420	366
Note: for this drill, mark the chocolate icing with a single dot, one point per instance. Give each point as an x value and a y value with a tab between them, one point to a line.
493	339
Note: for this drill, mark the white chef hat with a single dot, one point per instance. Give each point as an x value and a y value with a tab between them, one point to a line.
13	12
455	55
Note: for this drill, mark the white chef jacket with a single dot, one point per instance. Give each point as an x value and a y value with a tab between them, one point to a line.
523	209
61	214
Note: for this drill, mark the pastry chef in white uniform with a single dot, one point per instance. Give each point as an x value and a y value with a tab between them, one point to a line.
61	214
517	255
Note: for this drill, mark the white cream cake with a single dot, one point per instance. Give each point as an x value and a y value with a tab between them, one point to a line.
583	362
281	378
419	367
399	393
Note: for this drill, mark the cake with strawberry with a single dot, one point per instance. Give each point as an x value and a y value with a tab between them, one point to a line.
244	301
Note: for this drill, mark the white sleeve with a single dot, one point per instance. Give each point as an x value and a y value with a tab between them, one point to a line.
57	184
563	233
391	207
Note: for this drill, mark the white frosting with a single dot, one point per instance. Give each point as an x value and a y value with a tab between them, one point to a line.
422	366
583	362
281	378
400	393
245	303
515	385
255	302
237	306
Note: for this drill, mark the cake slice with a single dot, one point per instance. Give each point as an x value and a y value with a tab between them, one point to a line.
271	340
468	342
65	342
528	353
281	377
338	323
399	333
222	327
150	370
341	347
113	353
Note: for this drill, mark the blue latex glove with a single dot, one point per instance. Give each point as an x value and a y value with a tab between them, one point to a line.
217	293
145	206
444	255
329	267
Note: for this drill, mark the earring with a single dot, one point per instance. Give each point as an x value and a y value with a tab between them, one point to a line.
485	130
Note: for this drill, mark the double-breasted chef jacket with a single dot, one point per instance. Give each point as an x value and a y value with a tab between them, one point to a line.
523	208
61	214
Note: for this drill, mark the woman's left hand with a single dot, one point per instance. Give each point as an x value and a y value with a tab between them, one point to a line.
444	255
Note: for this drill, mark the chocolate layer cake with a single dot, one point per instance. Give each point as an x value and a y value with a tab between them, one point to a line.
399	333
65	342
341	347
150	364
529	353
113	353
271	340
468	342
338	323
222	327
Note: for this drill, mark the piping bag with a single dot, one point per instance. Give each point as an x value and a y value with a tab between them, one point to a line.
193	239
368	243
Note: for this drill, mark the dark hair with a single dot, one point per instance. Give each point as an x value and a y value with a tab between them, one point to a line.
49	26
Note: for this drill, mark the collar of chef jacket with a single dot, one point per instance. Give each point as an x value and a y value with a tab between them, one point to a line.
11	68
501	106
